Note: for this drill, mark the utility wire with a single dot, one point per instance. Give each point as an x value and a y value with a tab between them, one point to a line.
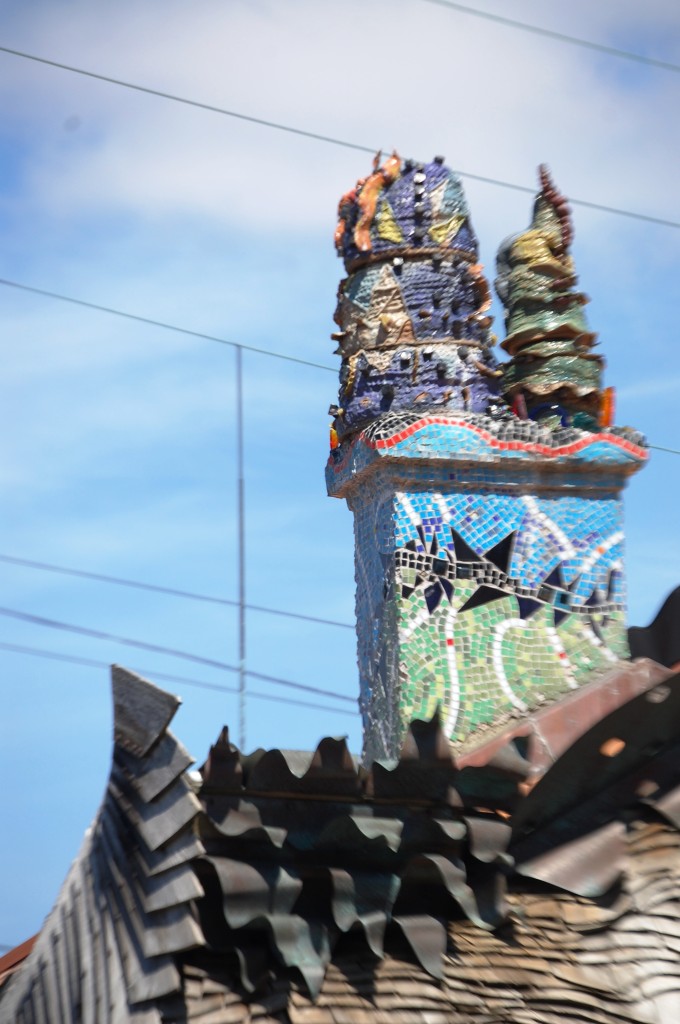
319	138
162	324
659	448
612	51
247	348
188	102
96	634
235	344
26	563
40	652
617	211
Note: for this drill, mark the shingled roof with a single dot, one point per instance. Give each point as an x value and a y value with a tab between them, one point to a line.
537	880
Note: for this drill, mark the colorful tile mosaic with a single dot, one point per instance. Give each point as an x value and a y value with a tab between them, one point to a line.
489	554
485	590
413	312
553	366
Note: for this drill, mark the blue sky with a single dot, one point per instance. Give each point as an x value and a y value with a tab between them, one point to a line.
118	450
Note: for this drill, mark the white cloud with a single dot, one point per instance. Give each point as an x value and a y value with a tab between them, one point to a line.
407	74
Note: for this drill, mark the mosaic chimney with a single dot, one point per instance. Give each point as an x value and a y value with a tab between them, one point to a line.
486	499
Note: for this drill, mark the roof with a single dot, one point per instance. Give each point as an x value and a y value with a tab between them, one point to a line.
537	881
12	961
661	639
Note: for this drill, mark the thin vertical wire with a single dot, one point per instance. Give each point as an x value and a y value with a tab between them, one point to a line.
241	550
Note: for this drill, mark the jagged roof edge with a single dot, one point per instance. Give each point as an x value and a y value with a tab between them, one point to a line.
107	945
432	825
128	903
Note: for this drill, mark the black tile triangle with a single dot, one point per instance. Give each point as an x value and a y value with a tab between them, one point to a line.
559	615
501	554
595	626
464	552
482	595
433	595
611	583
528	607
555	578
447	587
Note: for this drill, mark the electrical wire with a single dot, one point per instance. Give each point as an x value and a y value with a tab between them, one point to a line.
317	136
162	324
96	634
562	37
617	211
660	448
26	563
187	102
209	337
40	652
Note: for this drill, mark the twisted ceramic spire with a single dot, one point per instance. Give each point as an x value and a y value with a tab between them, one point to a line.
548	337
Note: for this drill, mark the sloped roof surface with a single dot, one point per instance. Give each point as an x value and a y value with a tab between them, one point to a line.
106	951
560	958
540	883
12	960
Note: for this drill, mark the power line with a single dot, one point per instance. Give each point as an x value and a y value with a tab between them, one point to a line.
96	634
26	563
659	448
612	51
188	102
247	348
575	202
162	324
40	652
291	130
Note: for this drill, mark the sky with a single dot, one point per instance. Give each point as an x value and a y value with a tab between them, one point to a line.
118	439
